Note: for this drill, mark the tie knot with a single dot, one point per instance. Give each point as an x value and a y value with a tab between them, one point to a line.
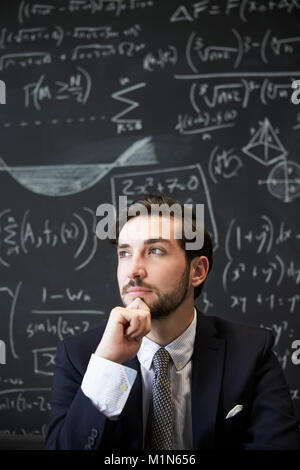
161	361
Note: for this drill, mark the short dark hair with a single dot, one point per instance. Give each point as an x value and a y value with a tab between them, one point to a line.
147	201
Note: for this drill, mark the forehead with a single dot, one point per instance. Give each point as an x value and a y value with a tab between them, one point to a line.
141	228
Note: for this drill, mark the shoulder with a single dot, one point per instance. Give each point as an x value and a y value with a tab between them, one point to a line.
240	338
242	332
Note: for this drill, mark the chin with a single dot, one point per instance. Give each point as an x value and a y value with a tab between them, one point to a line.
159	315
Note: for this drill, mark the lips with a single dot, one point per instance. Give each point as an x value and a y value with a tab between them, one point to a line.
138	291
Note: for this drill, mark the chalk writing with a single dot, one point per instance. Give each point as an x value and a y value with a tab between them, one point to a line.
62	180
194	99
28	10
180	181
160	59
195	10
224	163
24	400
128	123
23	236
77	87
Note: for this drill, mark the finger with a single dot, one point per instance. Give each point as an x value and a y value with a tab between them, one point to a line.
142	327
136	325
138	304
148	324
124	316
140	333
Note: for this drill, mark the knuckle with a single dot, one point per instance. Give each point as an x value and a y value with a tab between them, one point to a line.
138	317
114	311
143	316
143	313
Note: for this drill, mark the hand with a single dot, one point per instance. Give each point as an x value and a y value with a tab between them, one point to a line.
124	332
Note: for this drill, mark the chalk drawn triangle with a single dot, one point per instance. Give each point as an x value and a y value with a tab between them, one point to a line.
181	14
265	146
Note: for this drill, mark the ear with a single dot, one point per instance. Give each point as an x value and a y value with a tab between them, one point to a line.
199	270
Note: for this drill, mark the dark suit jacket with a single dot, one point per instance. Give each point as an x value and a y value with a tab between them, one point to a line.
231	364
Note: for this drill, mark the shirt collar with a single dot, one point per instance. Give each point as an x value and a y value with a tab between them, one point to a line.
180	350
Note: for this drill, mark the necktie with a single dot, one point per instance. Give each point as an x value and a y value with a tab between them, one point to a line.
159	434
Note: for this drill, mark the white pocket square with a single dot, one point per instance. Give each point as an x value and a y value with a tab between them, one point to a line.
234	411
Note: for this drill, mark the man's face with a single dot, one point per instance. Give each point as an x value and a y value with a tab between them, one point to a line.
151	265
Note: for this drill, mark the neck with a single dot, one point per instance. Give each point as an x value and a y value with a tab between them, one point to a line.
166	330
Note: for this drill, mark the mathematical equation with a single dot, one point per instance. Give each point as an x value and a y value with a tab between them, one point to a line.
185	183
268	269
24	235
218	106
76	87
205	122
160	58
28	10
80	45
264	239
83	52
272	272
167	184
39	318
25	410
21	401
58	34
239	92
270	47
244	8
272	302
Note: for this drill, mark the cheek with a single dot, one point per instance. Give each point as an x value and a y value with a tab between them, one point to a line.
168	275
123	270
120	275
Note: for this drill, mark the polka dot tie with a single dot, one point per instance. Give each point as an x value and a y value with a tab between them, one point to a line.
159	433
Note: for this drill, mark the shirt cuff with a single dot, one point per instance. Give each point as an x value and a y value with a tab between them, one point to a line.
108	384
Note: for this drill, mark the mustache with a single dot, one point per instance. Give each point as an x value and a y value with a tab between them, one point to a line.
136	283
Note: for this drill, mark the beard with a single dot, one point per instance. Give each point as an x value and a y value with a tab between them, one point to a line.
168	302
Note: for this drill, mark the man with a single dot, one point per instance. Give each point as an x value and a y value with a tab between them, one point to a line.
161	375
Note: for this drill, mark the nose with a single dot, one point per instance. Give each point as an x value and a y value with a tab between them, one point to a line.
137	268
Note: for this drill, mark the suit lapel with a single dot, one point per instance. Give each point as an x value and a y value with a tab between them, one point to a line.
207	373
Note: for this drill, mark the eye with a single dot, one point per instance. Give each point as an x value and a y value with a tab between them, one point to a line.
158	251
123	253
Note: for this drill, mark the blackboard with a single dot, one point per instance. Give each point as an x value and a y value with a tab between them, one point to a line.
123	97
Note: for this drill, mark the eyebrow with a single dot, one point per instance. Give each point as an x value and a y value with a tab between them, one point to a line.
150	241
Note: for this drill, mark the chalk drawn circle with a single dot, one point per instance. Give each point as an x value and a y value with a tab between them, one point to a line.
284	181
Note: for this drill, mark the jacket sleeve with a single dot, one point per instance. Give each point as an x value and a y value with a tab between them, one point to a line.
75	423
118	379
273	424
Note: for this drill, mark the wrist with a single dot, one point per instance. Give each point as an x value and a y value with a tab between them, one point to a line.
107	356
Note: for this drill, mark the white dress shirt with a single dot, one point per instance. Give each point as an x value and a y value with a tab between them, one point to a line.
118	379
